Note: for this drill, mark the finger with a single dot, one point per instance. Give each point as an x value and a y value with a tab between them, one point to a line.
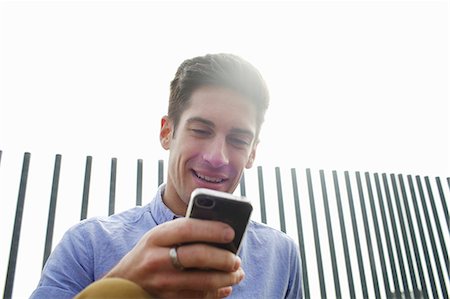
204	256
224	292
211	280
186	230
195	280
220	293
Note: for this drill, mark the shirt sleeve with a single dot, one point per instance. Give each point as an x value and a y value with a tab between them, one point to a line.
68	269
295	282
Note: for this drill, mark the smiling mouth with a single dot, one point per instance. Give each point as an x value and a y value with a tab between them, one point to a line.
209	179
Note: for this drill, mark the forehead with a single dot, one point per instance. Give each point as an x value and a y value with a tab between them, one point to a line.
221	106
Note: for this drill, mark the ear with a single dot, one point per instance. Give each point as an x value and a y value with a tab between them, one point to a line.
251	157
165	132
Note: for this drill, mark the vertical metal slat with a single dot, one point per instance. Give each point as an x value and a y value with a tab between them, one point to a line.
323	292
432	239
301	241
378	236
348	267
438	225
387	234
422	239
261	195
139	182
280	200
160	172
422	292
356	237
396	238
337	284
52	209
112	187
412	274
368	236
17	227
86	187
242	185
443	202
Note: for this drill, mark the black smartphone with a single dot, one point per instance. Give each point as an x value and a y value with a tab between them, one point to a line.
234	210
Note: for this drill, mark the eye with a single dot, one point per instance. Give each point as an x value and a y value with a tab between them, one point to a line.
200	132
239	142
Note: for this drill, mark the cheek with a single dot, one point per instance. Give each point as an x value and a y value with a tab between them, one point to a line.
239	162
188	155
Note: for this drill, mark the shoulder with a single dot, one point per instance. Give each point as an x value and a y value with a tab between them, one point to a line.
260	234
125	226
122	220
266	231
99	241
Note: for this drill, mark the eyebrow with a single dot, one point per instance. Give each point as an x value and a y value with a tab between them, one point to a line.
243	131
212	125
201	120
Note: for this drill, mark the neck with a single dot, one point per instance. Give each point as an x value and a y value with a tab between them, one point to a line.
172	200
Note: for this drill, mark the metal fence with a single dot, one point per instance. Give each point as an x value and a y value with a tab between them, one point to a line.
361	235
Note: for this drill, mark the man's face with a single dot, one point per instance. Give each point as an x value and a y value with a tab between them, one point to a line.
214	140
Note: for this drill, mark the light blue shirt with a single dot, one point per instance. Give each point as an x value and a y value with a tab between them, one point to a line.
88	250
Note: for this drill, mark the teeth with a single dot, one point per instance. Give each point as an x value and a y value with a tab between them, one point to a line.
209	179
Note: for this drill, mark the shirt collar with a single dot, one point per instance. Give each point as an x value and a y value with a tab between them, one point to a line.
159	211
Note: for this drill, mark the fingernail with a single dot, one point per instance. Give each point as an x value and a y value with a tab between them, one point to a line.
237	263
225	292
228	234
242	275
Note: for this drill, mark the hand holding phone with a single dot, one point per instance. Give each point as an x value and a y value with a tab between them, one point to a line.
215	205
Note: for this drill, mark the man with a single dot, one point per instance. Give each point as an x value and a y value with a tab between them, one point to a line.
216	109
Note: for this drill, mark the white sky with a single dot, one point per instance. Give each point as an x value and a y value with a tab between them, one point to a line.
355	85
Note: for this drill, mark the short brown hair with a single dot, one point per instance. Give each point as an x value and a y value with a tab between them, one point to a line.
224	70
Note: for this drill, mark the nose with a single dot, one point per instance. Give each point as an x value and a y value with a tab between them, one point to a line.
216	153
